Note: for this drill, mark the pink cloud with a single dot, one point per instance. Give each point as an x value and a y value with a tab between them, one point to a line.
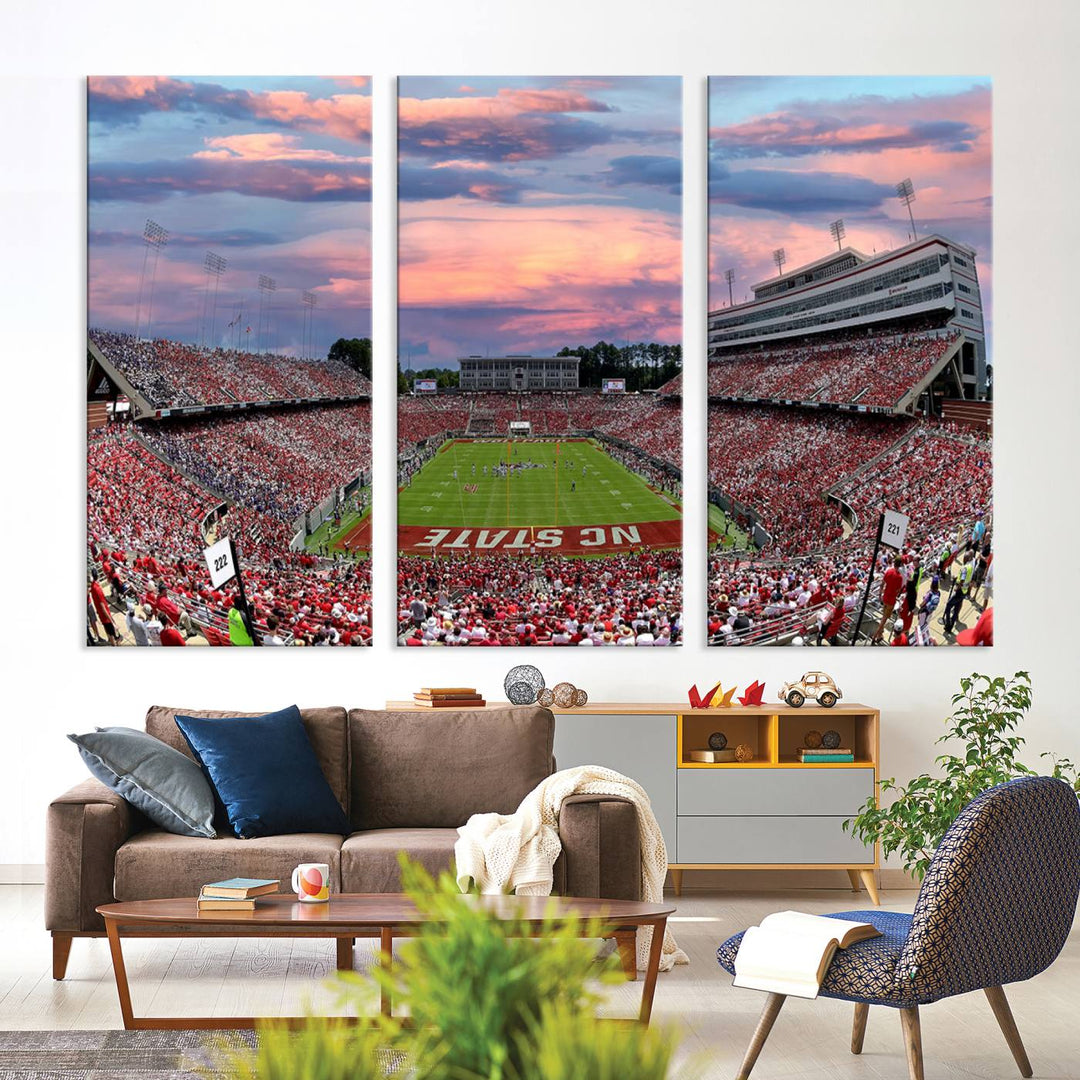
507	102
347	116
268	146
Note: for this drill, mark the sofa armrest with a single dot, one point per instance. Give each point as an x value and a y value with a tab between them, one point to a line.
601	848
84	828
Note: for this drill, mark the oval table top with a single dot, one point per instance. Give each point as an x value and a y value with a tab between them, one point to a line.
380	909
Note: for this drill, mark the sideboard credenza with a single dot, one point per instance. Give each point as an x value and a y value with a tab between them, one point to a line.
771	812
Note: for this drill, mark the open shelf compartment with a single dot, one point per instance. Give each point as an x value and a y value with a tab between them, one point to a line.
756	729
858	732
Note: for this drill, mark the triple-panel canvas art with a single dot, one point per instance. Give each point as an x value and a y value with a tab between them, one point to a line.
539	362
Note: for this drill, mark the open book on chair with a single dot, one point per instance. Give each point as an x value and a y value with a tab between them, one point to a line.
790	951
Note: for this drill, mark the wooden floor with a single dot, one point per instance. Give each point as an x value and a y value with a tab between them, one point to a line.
811	1038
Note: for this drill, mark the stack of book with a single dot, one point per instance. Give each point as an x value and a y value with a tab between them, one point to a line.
822	755
448	697
235	894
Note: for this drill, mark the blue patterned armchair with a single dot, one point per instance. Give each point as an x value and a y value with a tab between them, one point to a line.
995	907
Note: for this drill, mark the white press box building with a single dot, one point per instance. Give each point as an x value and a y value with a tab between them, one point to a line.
518	372
929	283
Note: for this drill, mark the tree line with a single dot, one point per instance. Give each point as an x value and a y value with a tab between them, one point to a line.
644	366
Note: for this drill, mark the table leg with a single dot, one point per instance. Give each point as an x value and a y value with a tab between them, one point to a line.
345	953
386	960
120	972
626	940
652	971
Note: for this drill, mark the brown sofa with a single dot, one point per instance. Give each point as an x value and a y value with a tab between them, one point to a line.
406	780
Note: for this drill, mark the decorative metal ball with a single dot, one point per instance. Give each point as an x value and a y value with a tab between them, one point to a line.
744	752
522	684
717	741
580	698
564	694
812	740
545	698
830	740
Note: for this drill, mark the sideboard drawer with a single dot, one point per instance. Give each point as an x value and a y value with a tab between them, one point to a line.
807	790
766	840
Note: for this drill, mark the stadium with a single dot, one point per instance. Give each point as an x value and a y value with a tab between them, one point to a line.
531	516
187	445
846	387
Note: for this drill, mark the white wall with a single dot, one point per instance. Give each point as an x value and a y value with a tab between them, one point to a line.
53	685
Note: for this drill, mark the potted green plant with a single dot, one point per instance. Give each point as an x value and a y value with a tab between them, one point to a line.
485	1002
986	714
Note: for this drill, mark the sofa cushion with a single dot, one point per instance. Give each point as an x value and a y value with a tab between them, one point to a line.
159	865
326	728
167	786
436	768
266	774
369	860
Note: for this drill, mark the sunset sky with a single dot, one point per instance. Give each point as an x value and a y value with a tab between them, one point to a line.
536	213
273	175
789	155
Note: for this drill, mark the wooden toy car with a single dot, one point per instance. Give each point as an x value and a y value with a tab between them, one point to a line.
814	684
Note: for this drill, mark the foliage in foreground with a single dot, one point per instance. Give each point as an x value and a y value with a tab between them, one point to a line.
986	713
489	999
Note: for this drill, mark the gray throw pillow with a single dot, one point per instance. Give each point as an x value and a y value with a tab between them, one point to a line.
167	786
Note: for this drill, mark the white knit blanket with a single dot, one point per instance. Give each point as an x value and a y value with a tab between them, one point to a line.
517	852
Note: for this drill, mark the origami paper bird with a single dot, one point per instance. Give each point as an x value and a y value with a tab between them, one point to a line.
753	694
697	701
722	698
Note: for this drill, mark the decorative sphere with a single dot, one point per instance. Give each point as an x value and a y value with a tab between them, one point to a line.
812	740
717	740
580	698
545	698
522	684
830	740
743	753
564	695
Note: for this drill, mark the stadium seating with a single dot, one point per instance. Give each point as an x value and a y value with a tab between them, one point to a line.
864	370
172	374
145	531
502	599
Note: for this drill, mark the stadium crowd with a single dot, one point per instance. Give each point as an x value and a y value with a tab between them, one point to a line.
809	584
501	599
172	374
280	463
145	539
872	370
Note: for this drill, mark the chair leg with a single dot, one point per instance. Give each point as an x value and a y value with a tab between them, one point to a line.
773	1004
858	1028
909	1019
1000	1004
61	950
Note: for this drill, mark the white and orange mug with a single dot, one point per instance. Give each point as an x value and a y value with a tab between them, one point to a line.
311	882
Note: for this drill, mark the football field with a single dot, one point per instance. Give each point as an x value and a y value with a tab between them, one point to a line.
535	486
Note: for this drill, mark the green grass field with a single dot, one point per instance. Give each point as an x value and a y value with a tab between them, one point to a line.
326	533
586	488
737	539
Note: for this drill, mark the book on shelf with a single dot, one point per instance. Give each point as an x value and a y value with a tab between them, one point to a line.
825	750
446	691
239	888
819	759
449	703
712	757
790	951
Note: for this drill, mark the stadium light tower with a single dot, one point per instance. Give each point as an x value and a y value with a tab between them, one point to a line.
837	232
267	288
155	237
905	192
779	256
214	265
309	300
729	277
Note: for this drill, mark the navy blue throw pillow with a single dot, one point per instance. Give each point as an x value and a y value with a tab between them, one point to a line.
266	774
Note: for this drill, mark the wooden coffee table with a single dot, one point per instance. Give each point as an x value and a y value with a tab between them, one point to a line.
346	917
